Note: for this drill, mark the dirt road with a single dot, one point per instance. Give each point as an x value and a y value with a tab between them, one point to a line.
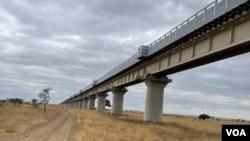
59	128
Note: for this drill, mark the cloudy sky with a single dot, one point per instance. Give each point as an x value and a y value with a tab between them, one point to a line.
67	44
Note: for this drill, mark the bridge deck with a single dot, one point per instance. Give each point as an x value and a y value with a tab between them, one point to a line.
220	30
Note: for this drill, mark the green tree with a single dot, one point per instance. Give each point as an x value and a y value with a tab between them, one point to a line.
44	96
34	102
203	116
15	101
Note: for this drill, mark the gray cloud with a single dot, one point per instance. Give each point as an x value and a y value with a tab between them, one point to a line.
68	44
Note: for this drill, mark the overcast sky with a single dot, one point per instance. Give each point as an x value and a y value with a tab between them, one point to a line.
66	45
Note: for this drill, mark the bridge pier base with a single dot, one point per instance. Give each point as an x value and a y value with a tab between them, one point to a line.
155	97
101	102
85	103
117	100
91	103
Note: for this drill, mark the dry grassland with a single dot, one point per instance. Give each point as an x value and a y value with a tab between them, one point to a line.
96	126
16	119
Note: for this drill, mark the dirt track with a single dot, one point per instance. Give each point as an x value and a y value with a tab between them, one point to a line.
59	128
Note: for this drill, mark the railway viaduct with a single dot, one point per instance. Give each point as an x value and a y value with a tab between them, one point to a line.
220	30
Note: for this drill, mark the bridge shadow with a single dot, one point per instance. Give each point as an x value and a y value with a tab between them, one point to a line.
131	117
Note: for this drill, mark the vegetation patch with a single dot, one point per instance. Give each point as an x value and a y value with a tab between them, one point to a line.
130	126
16	119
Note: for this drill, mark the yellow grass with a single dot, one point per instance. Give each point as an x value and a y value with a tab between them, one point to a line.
96	126
16	119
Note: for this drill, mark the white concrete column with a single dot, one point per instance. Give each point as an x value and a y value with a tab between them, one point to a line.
117	101
85	103
77	104
81	105
91	103
101	102
154	99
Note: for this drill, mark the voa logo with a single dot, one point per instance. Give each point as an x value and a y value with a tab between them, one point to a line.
236	132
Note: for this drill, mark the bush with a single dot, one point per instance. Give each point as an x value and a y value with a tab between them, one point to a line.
204	116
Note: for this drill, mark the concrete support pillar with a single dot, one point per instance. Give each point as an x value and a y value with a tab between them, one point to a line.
101	102
75	103
79	104
81	101
155	97
117	102
91	103
85	103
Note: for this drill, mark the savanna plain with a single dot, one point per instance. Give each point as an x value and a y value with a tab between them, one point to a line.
94	126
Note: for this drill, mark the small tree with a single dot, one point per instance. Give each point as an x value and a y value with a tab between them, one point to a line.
44	97
107	103
15	101
203	116
34	103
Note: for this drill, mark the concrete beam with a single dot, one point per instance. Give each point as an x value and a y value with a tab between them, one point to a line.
155	97
117	102
91	103
101	102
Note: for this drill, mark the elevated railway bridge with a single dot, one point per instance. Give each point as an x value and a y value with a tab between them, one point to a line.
218	31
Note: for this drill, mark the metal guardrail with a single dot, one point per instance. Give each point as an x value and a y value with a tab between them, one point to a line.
202	17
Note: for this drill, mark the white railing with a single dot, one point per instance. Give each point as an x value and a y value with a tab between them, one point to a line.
202	17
